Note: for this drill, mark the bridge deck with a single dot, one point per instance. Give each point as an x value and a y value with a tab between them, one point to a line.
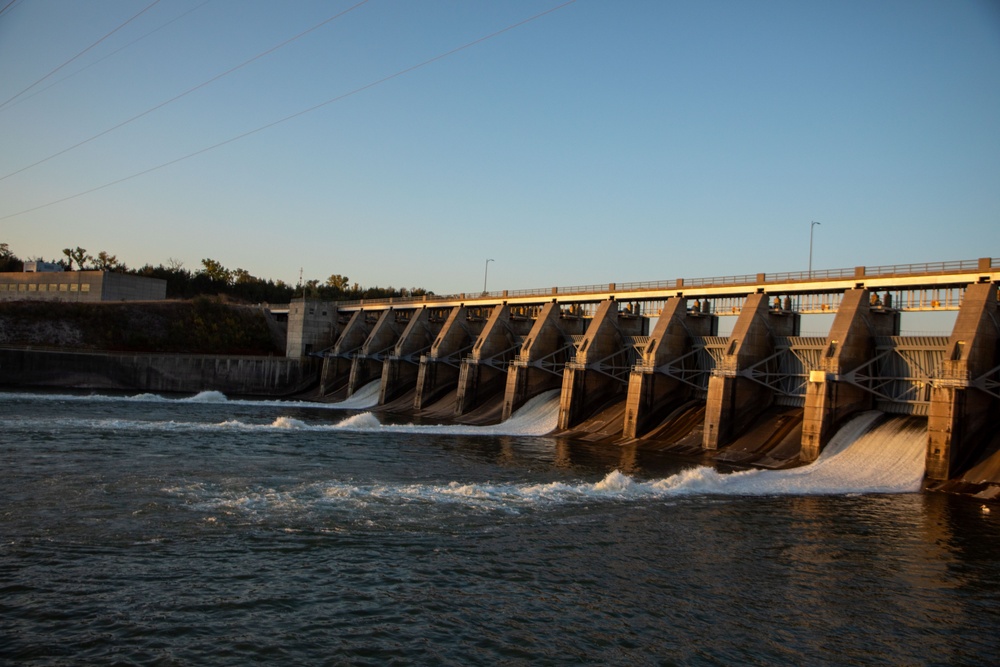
911	287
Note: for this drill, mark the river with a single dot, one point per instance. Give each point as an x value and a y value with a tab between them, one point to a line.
200	530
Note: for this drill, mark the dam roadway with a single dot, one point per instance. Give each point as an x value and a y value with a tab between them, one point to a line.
643	362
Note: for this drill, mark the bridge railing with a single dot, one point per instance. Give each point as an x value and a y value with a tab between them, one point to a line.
926	268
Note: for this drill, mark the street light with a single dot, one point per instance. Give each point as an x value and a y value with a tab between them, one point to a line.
811	228
485	274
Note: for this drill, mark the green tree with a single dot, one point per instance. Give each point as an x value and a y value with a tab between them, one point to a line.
216	271
79	255
8	260
338	282
106	262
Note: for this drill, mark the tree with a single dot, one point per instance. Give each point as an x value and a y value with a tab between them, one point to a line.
338	282
243	277
216	272
106	262
79	255
8	260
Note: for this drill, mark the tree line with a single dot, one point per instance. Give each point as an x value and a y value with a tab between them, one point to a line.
214	279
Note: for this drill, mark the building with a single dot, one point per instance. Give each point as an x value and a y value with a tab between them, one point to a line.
42	267
79	286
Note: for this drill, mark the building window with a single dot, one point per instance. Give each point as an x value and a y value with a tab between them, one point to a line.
74	287
22	287
32	288
63	287
85	287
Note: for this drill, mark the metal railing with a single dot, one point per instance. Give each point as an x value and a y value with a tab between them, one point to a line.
888	270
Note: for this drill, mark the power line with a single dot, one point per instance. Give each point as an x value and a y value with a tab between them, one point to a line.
297	114
186	92
8	6
100	60
148	7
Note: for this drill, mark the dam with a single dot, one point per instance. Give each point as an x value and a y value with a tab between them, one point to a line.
644	362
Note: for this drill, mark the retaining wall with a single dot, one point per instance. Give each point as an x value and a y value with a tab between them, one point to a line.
231	375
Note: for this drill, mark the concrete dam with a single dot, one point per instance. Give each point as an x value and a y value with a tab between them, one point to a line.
644	363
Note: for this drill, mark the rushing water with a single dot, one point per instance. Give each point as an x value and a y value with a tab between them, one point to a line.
206	531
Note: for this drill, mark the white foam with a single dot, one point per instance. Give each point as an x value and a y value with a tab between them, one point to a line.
860	459
366	397
204	397
887	459
289	423
537	417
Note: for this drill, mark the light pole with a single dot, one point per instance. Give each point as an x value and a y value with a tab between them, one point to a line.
485	274
811	228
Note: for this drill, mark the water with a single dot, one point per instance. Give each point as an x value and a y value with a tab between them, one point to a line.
162	531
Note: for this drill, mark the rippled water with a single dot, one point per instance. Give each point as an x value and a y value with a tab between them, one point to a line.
144	530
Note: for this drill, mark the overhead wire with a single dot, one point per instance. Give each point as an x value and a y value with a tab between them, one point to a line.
187	92
102	59
298	114
8	6
147	8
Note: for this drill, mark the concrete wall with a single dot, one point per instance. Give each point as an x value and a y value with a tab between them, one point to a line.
231	375
337	362
367	363
312	327
734	401
589	379
401	368
544	348
960	414
850	343
82	286
648	389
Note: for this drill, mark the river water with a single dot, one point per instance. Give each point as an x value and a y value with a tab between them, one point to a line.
205	531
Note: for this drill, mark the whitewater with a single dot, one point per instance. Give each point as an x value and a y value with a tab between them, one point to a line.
157	530
870	454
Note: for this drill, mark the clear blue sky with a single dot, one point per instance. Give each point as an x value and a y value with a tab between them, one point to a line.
605	141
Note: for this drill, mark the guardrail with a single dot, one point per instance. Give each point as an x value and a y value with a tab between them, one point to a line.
924	269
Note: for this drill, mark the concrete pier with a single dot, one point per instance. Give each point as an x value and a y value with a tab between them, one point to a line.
440	368
401	367
733	400
850	343
519	344
539	364
961	414
338	362
367	364
484	372
599	370
649	389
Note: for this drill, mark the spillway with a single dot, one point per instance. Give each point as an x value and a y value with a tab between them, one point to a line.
870	454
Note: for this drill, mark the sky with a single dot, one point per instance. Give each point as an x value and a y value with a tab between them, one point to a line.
405	142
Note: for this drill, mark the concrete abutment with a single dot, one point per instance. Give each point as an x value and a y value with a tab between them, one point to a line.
483	373
337	363
961	413
539	364
401	368
366	365
440	368
734	401
598	371
829	401
648	387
